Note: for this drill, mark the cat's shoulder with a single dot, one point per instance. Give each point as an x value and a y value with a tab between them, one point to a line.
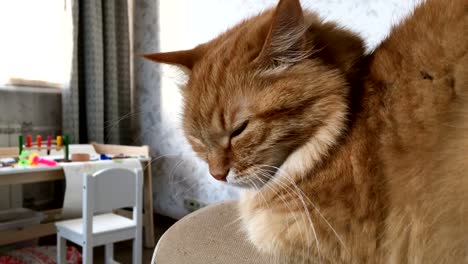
427	44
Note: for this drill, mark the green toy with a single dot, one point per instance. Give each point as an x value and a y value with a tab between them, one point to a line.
24	158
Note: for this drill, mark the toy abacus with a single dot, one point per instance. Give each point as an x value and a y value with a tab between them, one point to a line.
57	144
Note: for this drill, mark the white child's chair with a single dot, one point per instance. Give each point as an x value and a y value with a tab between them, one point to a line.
103	191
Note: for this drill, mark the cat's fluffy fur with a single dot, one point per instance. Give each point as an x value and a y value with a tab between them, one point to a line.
353	158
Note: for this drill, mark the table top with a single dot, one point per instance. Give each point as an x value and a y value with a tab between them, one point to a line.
42	168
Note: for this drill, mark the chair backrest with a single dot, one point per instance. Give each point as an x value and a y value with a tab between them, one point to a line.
110	189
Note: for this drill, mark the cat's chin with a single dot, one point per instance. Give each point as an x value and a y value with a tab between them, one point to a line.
242	185
246	182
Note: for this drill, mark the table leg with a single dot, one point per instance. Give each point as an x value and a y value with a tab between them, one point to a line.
148	208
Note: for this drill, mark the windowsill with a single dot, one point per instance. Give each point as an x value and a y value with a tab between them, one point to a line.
30	89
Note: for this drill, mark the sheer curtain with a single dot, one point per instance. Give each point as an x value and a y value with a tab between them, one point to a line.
98	98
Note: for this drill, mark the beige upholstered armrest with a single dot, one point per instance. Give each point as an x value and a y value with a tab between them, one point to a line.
211	235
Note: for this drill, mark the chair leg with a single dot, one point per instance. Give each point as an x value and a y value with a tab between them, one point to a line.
87	254
109	253
137	249
61	249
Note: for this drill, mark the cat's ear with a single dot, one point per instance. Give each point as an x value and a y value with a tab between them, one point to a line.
185	59
286	37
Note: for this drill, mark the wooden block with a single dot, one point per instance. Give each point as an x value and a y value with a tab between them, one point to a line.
9	152
118	149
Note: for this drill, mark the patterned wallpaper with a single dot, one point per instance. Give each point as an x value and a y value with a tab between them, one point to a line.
181	24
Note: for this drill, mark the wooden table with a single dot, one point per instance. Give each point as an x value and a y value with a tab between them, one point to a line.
12	176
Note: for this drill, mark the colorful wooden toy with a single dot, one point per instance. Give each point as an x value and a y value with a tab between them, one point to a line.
61	142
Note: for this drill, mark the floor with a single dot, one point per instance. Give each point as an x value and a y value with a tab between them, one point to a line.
122	254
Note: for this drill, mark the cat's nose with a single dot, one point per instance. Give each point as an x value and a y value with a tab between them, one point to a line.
219	174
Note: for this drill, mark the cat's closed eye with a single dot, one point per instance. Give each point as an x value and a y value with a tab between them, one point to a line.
240	129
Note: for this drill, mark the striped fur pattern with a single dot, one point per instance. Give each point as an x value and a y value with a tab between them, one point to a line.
347	158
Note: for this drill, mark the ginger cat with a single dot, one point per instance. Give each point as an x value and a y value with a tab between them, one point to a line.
350	158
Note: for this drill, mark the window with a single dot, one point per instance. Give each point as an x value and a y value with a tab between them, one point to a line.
35	42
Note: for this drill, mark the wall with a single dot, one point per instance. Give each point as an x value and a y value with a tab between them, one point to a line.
26	112
182	24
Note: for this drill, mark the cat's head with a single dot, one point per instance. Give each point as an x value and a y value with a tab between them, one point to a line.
273	84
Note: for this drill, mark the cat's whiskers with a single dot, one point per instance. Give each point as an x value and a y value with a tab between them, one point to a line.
236	220
261	195
174	183
127	115
298	195
340	239
307	214
258	177
158	157
112	124
177	194
277	194
254	185
290	179
171	175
